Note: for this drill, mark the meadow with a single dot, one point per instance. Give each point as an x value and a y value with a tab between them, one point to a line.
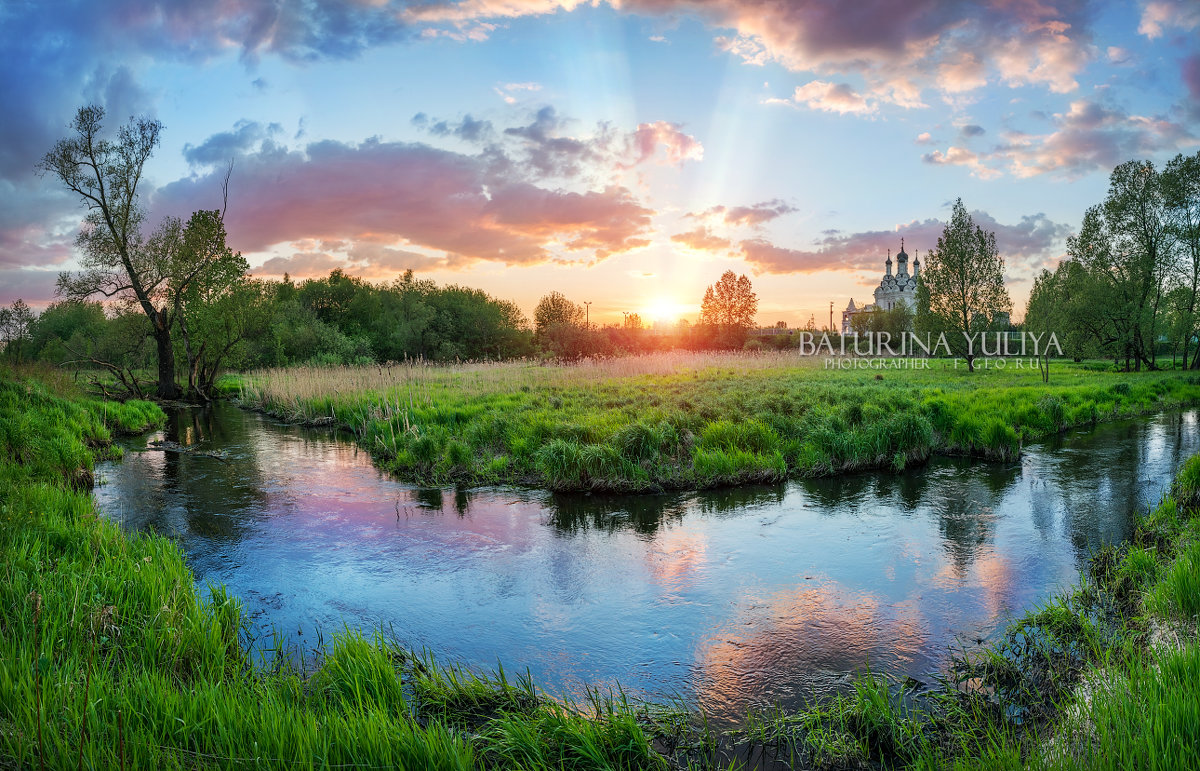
111	657
683	420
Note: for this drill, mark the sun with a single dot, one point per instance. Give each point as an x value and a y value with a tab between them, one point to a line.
663	309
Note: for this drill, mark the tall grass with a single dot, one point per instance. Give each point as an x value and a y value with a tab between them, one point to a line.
686	420
111	658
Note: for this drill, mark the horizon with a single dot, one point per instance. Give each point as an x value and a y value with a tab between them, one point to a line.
624	154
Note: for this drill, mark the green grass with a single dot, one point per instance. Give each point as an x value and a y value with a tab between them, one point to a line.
111	658
678	421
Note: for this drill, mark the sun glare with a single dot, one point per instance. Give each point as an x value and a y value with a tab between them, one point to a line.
663	309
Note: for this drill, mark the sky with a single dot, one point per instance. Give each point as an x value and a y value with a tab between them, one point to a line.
623	152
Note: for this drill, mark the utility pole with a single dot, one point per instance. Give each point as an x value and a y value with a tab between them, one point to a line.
831	317
587	310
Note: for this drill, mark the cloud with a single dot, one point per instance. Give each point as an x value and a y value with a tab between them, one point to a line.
508	91
545	146
702	240
766	257
35	287
972	130
1089	137
468	129
219	148
1031	242
833	97
1119	55
678	146
1189	71
1159	15
961	156
753	215
924	138
436	200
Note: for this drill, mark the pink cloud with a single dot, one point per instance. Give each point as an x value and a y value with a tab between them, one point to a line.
1159	15
752	215
702	240
464	206
678	146
1190	72
961	156
833	97
898	48
1031	242
35	287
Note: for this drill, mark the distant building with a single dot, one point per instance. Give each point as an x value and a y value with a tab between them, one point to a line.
900	288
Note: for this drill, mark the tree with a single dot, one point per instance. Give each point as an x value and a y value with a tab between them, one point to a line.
202	275
961	289
1181	187
1138	223
117	261
729	306
556	310
15	324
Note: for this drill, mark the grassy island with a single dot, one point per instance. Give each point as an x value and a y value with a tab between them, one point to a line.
693	420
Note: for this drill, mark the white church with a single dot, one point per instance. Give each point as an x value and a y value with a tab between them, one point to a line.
900	288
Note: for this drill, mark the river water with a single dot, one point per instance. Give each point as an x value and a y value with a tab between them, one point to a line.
723	598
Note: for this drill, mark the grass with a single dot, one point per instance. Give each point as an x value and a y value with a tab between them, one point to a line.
111	658
692	420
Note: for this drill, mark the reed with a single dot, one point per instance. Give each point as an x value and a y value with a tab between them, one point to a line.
678	420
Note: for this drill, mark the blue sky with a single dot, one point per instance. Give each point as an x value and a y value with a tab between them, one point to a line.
624	153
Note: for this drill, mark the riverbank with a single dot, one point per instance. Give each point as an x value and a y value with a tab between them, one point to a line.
112	657
680	420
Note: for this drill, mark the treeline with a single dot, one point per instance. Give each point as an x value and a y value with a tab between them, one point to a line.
339	319
1128	288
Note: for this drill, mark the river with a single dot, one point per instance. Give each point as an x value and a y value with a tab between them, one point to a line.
722	598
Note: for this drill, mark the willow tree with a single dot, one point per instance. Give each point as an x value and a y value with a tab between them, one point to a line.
116	258
961	290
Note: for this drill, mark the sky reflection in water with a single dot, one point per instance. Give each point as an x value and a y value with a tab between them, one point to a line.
726	598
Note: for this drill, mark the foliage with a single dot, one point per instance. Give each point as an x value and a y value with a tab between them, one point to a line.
729	306
1129	287
723	418
961	291
111	657
555	310
15	323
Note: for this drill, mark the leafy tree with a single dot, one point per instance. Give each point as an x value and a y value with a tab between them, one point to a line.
15	323
556	310
961	290
729	303
1181	188
1138	223
65	326
728	310
118	262
204	273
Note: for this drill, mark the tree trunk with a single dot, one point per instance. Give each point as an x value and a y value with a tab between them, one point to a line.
166	360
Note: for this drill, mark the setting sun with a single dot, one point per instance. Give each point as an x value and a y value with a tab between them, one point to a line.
664	309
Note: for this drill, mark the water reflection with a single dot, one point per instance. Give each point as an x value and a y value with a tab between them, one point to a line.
727	598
